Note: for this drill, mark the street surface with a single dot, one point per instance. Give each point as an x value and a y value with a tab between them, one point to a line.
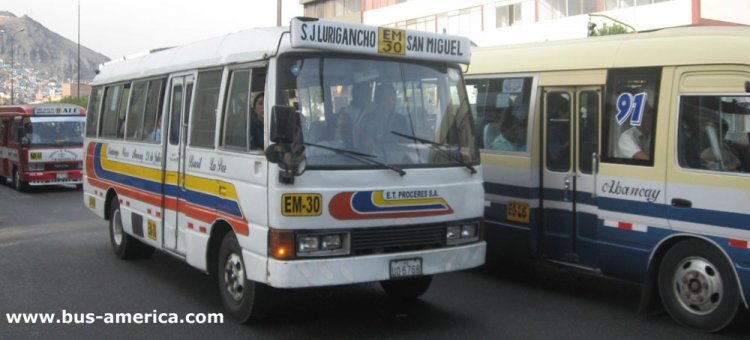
55	256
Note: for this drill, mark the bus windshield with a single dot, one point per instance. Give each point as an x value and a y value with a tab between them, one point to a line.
55	131
401	113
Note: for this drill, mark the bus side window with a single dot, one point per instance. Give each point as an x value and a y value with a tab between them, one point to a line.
203	127
713	133
630	116
237	111
109	117
501	109
92	115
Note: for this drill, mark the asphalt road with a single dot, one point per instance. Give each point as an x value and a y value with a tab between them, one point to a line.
55	256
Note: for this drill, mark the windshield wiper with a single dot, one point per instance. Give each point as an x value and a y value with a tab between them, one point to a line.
439	147
362	157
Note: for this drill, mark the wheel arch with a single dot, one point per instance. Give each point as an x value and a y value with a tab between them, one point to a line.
111	194
650	299
219	229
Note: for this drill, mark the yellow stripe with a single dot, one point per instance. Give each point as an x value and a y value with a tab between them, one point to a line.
206	185
129	169
378	199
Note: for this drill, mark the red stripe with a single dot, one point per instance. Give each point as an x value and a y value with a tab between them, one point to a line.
203	229
738	243
625	225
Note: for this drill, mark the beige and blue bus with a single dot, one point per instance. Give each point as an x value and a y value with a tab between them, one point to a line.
627	155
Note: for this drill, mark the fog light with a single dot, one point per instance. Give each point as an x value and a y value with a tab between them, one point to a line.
329	242
454	232
307	243
469	230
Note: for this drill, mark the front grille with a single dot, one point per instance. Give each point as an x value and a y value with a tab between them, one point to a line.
61	166
397	239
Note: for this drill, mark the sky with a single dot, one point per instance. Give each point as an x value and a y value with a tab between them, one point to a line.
124	27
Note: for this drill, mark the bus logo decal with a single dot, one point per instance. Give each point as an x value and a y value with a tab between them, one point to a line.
392	204
629	105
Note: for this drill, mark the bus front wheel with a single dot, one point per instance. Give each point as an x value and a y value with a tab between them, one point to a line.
698	286
406	289
18	183
246	300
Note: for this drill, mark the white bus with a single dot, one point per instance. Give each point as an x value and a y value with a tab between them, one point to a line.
627	155
324	154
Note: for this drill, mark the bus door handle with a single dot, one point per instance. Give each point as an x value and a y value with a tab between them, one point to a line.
681	203
566	189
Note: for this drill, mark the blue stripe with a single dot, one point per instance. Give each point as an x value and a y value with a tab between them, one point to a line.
694	215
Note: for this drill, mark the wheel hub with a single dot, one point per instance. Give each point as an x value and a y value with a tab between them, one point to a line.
234	275
698	285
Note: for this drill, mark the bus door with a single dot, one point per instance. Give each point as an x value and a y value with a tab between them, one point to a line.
180	95
570	157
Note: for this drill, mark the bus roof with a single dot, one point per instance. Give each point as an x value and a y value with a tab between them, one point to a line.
243	46
674	46
47	109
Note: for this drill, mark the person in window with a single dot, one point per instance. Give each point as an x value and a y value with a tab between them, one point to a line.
155	134
507	139
375	125
721	155
635	142
257	116
360	92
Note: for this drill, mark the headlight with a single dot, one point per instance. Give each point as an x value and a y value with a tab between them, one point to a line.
466	232
322	244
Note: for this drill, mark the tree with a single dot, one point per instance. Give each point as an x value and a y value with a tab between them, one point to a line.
610	30
80	101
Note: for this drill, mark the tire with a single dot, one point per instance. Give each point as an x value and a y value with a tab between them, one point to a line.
125	247
245	300
406	289
698	286
19	184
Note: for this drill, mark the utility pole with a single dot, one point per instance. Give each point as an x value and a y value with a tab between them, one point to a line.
78	77
278	13
12	63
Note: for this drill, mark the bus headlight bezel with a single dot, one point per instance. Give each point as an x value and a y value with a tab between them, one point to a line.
462	233
322	244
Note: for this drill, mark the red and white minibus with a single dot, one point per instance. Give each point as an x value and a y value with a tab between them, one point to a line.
41	144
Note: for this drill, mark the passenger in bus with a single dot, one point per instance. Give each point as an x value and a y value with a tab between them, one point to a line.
721	155
374	127
635	142
360	99
257	116
507	137
154	133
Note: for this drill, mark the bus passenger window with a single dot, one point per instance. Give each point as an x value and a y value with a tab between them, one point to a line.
558	131
713	133
630	116
204	109
237	111
501	108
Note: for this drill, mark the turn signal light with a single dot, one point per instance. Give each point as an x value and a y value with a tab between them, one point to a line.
282	244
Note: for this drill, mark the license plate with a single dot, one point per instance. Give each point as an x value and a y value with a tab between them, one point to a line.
301	204
62	175
406	268
518	212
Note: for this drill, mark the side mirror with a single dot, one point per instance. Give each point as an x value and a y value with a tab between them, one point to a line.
286	149
285	124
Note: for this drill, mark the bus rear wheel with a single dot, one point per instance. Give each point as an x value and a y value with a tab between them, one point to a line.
126	247
406	289
245	300
698	286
